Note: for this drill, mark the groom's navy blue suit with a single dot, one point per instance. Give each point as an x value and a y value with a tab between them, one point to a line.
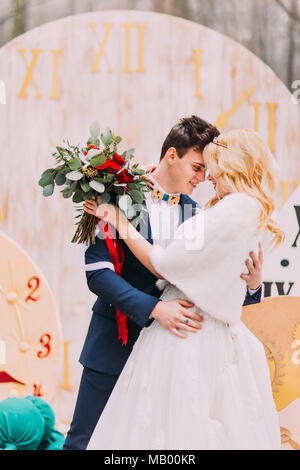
103	356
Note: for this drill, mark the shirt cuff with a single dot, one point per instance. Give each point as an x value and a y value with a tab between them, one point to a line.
253	291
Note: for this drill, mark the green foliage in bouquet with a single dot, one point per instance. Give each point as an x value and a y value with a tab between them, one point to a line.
92	171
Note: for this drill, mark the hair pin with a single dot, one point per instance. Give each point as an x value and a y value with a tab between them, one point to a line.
215	141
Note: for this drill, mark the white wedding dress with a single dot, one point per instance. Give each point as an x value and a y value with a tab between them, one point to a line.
211	391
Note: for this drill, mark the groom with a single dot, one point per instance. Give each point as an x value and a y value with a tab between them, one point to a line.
135	294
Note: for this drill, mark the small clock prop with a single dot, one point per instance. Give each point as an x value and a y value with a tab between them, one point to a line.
30	329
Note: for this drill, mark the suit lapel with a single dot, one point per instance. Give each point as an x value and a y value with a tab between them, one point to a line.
144	227
187	208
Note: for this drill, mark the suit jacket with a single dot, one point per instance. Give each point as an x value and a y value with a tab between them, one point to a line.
135	294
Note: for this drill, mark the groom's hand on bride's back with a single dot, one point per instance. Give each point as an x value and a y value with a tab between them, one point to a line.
175	314
254	276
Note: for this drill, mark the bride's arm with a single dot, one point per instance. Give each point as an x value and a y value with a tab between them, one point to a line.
134	240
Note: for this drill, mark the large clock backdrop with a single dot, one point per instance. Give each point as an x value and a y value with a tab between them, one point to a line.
138	73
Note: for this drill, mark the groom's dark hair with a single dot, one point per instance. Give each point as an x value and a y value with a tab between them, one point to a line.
190	132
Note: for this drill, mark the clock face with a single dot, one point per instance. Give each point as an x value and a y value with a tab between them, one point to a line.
30	331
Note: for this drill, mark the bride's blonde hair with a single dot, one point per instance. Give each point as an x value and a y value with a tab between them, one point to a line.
243	163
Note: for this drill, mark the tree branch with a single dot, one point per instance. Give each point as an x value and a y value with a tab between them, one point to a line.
17	10
287	11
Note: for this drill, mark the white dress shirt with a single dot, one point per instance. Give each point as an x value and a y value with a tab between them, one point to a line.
164	218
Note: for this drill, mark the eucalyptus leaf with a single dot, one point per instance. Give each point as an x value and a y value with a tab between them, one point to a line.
75	163
99	187
129	154
109	177
100	179
106	178
88	196
48	172
95	142
137	196
69	190
118	191
136	222
85	187
92	153
94	130
83	158
130	213
105	198
132	186
98	161
67	193
48	190
78	197
74	175
65	169
125	202
60	150
107	137
60	179
46	179
139	172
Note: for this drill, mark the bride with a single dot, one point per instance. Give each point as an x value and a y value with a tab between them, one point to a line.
211	390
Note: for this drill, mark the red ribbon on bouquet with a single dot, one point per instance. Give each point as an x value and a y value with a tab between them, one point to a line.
117	255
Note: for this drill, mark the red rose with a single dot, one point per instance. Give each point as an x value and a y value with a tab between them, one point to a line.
118	159
105	165
113	167
91	146
124	177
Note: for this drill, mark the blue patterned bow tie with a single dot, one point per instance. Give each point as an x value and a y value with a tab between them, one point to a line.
172	199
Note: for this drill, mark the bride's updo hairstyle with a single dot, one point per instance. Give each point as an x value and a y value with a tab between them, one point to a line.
243	163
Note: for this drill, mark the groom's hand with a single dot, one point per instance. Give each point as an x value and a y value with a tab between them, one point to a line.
148	170
174	315
254	276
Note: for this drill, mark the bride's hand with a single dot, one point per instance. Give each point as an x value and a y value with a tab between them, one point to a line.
109	213
90	206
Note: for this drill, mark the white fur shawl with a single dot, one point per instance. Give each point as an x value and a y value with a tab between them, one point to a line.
208	255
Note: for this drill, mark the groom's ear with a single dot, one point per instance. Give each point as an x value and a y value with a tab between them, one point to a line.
171	156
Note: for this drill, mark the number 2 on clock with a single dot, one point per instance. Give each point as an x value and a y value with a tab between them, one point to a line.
33	284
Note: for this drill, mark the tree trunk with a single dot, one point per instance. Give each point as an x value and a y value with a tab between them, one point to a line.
19	18
292	45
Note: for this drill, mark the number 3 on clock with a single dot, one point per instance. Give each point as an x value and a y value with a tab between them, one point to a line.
45	340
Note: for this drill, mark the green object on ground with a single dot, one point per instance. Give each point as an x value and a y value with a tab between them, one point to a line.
21	425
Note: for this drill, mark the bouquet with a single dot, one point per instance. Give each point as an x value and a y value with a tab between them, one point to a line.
85	173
